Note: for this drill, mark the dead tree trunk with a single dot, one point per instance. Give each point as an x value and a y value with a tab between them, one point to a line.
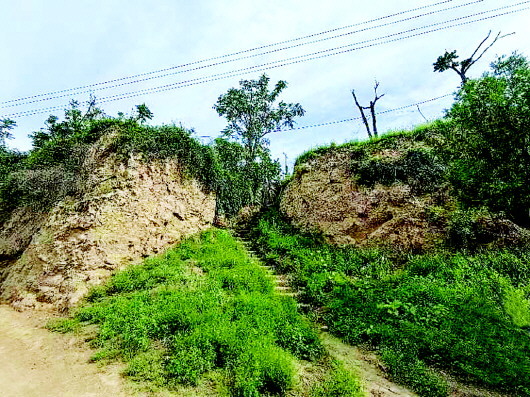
361	110
373	131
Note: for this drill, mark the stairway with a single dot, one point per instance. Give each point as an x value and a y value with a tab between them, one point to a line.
280	281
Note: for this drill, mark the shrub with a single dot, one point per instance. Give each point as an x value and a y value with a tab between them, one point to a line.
337	383
488	144
203	306
419	168
458	312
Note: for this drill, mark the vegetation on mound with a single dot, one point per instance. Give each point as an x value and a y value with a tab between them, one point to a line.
205	311
446	311
481	148
238	167
54	168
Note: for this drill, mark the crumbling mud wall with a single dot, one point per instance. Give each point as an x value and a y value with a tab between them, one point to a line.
129	209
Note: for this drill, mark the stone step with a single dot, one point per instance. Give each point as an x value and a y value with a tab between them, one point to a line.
291	294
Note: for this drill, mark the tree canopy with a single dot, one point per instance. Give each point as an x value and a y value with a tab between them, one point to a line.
6	125
490	141
251	113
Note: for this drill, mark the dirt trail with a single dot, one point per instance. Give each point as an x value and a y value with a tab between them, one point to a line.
36	362
366	365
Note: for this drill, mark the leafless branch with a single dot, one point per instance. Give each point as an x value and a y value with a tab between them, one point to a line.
363	116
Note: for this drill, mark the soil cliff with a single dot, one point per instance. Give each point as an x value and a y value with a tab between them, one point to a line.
391	192
128	209
324	197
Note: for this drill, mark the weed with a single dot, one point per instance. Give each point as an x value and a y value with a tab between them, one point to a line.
466	314
203	306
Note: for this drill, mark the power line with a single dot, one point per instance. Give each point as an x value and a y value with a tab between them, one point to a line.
289	61
51	96
359	118
311	56
231	54
304	127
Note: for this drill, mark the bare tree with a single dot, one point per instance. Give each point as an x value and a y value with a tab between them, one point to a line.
371	132
449	59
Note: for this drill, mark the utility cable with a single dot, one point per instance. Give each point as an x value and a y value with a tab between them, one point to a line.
230	54
47	98
359	118
305	127
289	61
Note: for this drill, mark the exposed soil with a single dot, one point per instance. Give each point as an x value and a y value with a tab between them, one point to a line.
36	362
368	368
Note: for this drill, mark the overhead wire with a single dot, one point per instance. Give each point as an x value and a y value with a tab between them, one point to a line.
377	113
289	61
107	87
325	124
230	54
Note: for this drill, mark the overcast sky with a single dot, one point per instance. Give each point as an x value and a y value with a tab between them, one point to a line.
54	45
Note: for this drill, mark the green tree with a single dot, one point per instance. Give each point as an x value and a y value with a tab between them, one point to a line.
239	183
490	141
76	122
252	114
506	66
449	59
143	114
6	125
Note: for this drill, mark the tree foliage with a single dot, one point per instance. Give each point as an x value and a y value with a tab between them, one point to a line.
241	184
76	123
143	113
248	175
490	141
251	113
6	125
448	61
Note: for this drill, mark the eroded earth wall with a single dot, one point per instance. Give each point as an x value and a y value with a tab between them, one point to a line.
129	209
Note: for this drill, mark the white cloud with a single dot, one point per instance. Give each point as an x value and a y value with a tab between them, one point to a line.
56	45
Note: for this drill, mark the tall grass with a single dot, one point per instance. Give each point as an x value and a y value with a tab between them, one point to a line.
204	307
455	312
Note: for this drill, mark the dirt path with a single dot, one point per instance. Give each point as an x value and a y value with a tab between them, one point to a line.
36	362
366	365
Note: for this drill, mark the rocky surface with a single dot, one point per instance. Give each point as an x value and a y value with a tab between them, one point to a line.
323	197
129	209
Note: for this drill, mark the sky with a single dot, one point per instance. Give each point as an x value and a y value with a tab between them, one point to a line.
58	45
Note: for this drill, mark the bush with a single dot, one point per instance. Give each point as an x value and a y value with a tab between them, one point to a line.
489	142
419	168
457	312
204	306
337	383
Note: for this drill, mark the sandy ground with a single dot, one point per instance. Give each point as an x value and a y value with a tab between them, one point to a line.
367	367
37	362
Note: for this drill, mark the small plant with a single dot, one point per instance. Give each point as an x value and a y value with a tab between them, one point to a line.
202	307
338	383
453	311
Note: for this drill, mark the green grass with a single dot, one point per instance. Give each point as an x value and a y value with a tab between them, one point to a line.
460	313
427	133
202	310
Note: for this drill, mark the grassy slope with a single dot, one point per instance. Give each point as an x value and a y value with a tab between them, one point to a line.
448	310
205	314
466	314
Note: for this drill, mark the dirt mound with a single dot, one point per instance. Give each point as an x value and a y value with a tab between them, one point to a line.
372	196
323	197
130	209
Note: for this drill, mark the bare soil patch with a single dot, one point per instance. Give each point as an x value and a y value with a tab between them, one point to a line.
37	362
